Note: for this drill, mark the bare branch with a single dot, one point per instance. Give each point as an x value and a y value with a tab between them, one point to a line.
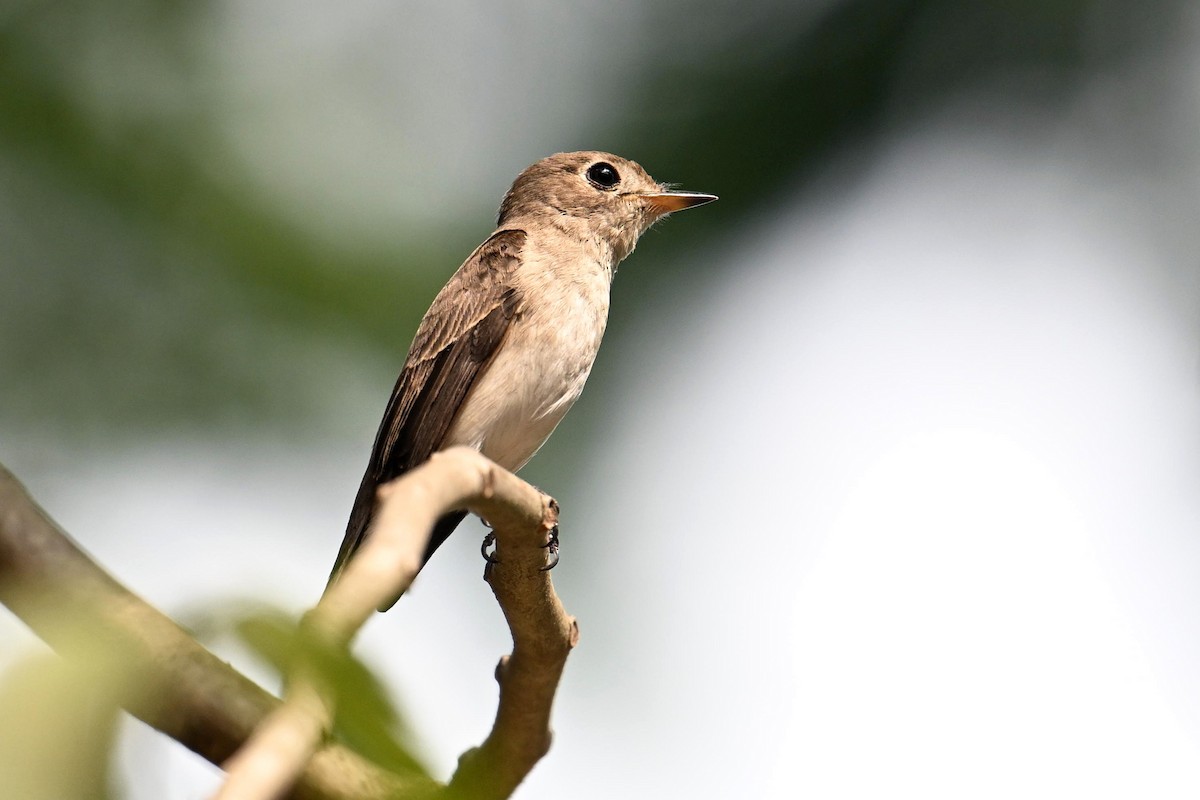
521	518
183	690
193	697
543	636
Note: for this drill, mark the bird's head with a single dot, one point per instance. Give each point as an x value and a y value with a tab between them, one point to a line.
594	194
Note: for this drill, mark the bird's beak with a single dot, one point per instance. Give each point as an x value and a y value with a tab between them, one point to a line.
662	203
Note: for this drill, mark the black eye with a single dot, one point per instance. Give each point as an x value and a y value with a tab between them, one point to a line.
603	175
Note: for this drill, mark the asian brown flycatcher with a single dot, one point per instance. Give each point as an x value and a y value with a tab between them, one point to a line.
504	350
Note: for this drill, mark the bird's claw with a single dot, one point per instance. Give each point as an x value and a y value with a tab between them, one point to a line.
488	541
552	545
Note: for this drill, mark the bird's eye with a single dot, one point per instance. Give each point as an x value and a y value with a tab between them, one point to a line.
603	175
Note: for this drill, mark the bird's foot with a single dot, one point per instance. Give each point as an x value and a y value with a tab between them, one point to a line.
552	545
488	541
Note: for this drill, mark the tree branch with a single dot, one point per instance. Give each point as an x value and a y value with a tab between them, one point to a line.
543	634
183	690
192	696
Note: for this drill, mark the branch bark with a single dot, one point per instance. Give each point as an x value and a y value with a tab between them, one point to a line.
521	519
183	690
206	705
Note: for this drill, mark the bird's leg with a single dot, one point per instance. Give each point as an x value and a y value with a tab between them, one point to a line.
488	541
552	545
552	542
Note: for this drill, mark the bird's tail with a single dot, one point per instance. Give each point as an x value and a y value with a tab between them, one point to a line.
356	528
360	523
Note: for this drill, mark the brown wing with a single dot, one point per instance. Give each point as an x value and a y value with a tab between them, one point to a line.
457	338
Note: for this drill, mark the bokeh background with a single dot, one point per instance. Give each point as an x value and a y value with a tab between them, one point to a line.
885	483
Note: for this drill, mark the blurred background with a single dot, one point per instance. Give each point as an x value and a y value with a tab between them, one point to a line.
885	483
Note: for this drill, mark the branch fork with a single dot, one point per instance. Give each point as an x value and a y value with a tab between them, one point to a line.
269	748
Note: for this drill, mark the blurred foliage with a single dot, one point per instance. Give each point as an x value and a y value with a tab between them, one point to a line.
58	716
366	719
770	100
57	727
156	156
150	283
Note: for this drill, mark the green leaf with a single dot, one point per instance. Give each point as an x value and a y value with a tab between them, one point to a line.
365	716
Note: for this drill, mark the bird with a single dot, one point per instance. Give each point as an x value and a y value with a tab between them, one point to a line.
506	346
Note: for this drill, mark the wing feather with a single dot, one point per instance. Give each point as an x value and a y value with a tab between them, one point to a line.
455	342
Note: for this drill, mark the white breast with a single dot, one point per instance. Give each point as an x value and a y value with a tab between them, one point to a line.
541	367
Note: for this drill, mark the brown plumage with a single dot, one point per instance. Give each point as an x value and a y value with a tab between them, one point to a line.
462	329
508	342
